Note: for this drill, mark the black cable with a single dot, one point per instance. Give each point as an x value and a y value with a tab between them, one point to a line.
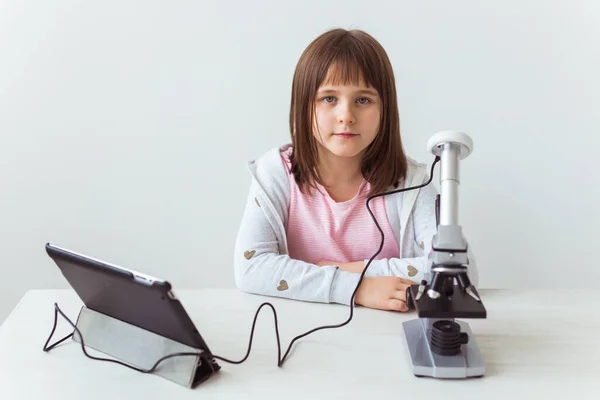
280	360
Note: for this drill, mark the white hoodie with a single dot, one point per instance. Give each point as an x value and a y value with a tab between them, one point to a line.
261	261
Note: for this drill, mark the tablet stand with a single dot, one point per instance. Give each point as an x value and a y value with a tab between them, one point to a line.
141	348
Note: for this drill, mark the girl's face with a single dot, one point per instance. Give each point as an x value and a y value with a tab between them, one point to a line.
346	118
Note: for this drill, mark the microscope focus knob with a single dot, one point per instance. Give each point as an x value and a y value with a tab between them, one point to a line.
436	142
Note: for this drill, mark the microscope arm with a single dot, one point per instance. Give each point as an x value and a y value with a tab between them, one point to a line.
448	258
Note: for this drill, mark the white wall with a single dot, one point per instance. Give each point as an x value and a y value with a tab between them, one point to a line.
126	126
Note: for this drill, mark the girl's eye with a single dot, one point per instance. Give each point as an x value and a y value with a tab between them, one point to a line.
329	99
363	100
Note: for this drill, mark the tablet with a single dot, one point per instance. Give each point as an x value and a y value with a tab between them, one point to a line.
129	296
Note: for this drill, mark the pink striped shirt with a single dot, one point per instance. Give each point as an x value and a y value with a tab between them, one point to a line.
321	229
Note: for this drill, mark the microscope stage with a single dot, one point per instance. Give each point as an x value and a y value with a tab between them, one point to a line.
460	305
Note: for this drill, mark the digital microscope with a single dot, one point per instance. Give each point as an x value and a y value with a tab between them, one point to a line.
439	345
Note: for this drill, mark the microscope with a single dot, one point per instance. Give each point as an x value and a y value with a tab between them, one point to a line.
439	345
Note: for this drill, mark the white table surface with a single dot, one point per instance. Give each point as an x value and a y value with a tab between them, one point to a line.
535	343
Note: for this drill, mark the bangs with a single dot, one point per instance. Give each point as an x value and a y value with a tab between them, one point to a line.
349	66
344	73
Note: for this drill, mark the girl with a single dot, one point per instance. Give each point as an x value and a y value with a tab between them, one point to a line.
306	233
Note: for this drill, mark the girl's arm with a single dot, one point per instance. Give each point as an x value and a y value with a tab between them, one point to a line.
261	269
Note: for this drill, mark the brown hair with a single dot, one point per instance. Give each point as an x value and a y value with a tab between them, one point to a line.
351	55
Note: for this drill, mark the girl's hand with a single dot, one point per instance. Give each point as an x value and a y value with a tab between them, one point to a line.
383	293
380	292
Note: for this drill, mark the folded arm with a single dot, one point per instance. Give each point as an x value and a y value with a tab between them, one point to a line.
261	269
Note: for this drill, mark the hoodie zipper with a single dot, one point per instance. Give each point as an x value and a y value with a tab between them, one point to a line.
271	214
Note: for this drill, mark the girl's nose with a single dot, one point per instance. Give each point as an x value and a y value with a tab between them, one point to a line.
345	115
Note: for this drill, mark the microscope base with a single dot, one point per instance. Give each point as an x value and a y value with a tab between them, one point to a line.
467	363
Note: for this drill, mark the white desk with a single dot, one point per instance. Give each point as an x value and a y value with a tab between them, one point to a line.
543	343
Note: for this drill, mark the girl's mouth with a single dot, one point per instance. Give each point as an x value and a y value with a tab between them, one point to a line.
345	135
